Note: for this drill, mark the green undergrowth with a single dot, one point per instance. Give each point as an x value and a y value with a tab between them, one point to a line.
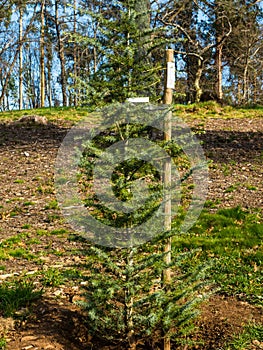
59	114
232	240
252	334
212	109
200	110
228	240
15	295
2	343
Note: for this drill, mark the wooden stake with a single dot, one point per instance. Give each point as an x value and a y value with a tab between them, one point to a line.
168	91
168	97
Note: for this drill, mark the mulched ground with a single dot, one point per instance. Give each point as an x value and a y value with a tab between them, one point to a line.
27	155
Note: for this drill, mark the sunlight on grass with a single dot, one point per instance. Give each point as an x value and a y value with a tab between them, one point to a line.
15	295
252	334
209	109
53	115
232	240
212	109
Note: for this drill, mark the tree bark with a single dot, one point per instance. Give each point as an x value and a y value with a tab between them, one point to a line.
245	83
198	75
21	12
219	89
61	55
42	55
75	69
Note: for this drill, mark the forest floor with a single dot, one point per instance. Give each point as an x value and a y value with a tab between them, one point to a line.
36	242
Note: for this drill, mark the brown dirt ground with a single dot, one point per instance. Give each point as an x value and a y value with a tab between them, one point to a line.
27	155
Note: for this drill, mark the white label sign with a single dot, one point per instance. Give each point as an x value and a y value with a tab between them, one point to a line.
138	99
170	75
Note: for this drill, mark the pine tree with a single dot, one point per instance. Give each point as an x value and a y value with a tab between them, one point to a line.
127	302
123	44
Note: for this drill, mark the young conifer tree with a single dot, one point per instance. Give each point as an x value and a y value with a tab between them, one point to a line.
123	45
126	300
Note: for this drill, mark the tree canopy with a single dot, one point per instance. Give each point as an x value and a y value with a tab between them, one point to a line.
93	52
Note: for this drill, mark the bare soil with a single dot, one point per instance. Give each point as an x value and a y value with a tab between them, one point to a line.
27	156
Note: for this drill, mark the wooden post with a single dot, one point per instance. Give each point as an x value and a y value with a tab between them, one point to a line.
168	97
168	88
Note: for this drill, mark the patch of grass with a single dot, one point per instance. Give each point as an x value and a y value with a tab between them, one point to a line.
15	247
212	204
53	115
41	232
76	238
3	254
33	240
71	115
2	343
232	240
212	109
252	334
26	226
21	253
72	273
28	203
52	278
18	181
226	169
59	232
15	295
232	188
45	189
53	217
11	242
62	180
251	188
52	205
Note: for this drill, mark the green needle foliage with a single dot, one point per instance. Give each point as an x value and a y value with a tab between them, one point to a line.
125	297
126	302
124	39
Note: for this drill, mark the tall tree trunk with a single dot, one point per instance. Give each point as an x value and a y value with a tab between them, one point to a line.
61	56
75	55
239	91
42	55
7	77
142	56
219	27
245	82
49	82
219	88
188	16
198	74
142	9
21	12
49	60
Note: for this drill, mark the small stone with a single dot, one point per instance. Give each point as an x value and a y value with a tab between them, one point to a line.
31	272
257	343
28	347
29	338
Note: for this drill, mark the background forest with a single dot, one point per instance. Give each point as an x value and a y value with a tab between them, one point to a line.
92	52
